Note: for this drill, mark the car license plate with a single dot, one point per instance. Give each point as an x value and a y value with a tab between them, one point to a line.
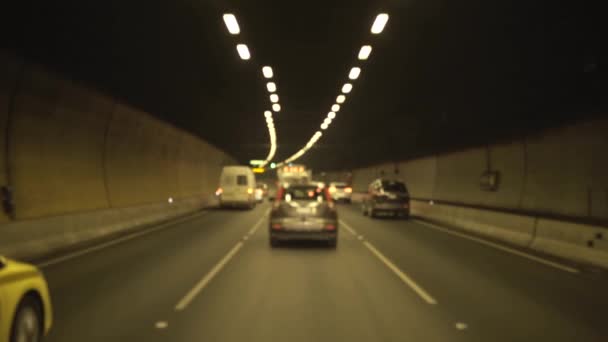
303	210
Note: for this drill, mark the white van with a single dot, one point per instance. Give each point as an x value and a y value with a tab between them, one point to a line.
237	187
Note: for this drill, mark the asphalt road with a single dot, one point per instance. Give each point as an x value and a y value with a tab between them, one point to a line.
215	278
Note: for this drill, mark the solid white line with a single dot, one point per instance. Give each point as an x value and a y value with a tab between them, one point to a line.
502	248
348	228
404	277
184	302
116	241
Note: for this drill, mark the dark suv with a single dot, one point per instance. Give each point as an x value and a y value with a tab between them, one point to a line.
387	197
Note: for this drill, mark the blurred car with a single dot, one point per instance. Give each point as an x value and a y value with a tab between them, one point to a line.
340	192
259	192
272	191
387	197
303	212
25	304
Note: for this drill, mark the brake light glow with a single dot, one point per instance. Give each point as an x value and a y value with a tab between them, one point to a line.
348	190
330	226
332	189
276	226
219	191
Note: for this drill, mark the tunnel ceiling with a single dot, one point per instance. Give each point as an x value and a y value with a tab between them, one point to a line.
443	74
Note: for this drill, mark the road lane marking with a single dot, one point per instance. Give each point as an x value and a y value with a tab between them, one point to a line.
404	277
461	326
117	241
184	302
348	228
161	325
257	225
501	247
189	297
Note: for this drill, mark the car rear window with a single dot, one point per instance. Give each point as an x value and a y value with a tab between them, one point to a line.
241	180
394	186
303	193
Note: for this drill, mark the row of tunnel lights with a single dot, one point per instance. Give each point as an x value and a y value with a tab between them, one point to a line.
244	53
355	72
233	28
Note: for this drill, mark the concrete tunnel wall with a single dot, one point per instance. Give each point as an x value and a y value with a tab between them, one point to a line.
552	193
81	162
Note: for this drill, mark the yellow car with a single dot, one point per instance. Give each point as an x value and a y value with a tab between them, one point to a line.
25	304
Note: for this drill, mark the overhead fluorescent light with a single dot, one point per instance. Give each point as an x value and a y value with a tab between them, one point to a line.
346	88
267	71
354	73
324	126
335	108
243	51
331	115
365	51
268	114
271	86
276	107
340	98
379	23
231	23
327	121
274	98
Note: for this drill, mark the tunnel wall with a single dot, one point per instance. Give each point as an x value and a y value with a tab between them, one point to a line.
80	164
552	193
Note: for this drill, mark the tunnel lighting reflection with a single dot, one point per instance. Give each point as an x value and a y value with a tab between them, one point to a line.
379	23
346	88
276	107
271	86
274	98
268	114
335	108
170	200
354	73
267	71
324	126
331	115
340	99
364	53
243	51
231	23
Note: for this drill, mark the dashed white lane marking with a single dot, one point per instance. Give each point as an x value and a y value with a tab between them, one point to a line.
184	302
161	325
404	277
348	228
501	247
189	297
245	238
461	326
117	241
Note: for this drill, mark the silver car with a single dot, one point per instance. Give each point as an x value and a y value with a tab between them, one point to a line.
303	212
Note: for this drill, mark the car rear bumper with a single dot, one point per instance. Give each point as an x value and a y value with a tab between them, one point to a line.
303	235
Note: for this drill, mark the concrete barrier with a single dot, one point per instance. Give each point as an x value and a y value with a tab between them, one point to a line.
81	165
39	237
579	242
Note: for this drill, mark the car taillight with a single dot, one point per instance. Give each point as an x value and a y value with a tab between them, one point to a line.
348	190
330	226
219	191
332	189
250	191
276	226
